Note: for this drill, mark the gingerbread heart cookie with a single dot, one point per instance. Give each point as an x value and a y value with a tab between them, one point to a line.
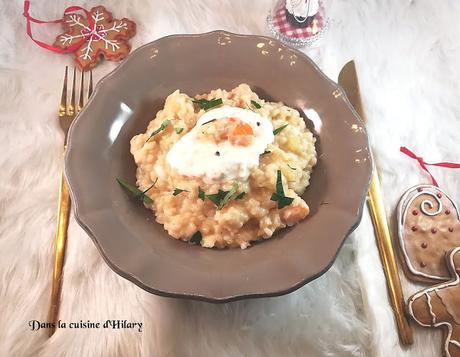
428	227
439	306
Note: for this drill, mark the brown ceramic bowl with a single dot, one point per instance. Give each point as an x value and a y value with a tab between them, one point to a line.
137	247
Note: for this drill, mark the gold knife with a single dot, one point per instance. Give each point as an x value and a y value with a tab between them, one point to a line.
348	80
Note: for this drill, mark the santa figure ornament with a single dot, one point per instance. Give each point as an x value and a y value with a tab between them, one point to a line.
300	13
297	23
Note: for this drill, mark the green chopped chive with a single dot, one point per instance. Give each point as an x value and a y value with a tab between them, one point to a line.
208	104
279	183
147	200
255	104
221	198
210	121
283	201
240	196
135	193
178	130
292	168
279	196
279	130
161	128
216	198
228	196
196	238
201	194
153	185
178	191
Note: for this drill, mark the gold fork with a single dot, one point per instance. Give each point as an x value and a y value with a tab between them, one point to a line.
67	114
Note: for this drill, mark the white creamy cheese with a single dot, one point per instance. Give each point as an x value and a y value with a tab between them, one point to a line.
191	156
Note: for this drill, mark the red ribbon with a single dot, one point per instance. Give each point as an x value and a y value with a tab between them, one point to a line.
424	164
68	10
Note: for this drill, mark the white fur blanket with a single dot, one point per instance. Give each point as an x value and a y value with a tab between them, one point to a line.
407	56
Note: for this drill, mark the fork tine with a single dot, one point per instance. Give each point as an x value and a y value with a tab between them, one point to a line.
80	101
90	89
63	105
72	98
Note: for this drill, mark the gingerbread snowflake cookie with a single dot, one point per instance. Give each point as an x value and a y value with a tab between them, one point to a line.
428	227
439	306
106	37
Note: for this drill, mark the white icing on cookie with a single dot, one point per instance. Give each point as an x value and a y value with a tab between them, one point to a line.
454	282
403	206
433	315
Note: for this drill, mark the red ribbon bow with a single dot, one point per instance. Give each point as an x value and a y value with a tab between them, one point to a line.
424	164
68	10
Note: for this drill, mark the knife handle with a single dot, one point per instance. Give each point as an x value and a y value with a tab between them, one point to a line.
61	240
387	256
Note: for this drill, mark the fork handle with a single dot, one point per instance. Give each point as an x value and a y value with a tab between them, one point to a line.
61	240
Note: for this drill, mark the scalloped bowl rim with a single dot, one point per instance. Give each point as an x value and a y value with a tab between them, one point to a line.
81	221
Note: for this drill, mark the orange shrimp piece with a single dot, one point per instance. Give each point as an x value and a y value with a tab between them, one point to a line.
293	214
241	135
223	136
243	129
230	129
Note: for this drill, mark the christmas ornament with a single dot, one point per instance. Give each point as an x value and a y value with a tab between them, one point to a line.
90	36
300	13
429	240
297	22
428	227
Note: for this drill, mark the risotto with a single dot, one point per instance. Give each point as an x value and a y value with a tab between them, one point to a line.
225	168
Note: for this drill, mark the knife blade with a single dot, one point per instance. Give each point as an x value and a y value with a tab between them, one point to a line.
348	80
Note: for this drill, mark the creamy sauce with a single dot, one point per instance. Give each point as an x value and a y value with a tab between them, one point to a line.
192	156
